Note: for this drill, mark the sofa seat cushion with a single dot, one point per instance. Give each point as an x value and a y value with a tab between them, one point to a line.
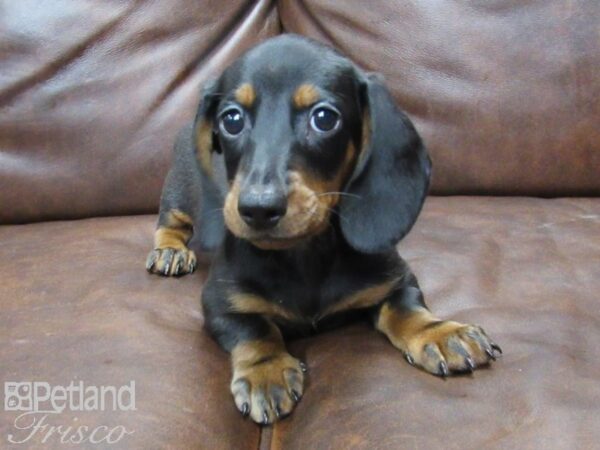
77	304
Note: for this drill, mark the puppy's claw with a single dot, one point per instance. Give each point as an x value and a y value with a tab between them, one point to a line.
490	354
265	417
470	364
444	369
150	264
245	410
496	347
409	359
295	396
303	366
151	261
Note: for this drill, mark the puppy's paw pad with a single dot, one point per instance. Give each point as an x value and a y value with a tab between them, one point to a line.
171	261
446	347
268	391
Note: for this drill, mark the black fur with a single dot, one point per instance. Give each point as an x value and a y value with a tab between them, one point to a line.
391	180
384	192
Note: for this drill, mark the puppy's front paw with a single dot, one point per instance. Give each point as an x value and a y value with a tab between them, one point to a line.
269	389
443	346
171	261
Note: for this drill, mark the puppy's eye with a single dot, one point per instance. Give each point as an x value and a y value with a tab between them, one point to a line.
324	119
232	121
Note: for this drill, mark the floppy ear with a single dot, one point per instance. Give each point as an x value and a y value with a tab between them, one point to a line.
391	177
211	226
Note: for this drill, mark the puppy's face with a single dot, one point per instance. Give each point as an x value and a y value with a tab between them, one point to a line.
304	134
288	119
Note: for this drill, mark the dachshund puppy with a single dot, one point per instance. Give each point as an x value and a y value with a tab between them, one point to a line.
302	175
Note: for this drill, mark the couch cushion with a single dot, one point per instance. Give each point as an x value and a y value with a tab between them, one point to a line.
528	271
92	94
505	93
78	305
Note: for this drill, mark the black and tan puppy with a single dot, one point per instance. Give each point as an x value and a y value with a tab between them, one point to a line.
322	176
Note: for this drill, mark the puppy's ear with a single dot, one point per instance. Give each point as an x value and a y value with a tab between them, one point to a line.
391	177
211	226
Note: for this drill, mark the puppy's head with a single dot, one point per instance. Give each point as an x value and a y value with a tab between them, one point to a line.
305	134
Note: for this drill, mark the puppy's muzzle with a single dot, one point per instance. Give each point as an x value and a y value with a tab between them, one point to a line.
262	207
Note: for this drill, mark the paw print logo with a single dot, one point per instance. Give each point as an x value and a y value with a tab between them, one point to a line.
17	396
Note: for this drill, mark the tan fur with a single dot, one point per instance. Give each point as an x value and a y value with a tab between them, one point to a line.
310	201
170	238
178	218
404	328
328	190
306	95
364	298
176	233
254	304
245	95
204	145
306	216
170	255
246	361
265	374
429	340
249	353
366	136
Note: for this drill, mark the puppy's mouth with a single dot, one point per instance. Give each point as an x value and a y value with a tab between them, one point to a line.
307	215
294	229
278	243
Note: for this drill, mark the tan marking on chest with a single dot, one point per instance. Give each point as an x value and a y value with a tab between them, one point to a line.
254	304
365	298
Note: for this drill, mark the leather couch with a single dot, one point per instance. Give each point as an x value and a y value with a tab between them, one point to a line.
506	95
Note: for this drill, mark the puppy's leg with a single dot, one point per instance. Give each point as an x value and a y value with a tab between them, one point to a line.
437	346
170	255
267	381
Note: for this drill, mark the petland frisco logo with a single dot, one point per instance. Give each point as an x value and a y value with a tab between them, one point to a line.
40	404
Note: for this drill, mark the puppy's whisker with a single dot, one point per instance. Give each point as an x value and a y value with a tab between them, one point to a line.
338	193
337	213
331	210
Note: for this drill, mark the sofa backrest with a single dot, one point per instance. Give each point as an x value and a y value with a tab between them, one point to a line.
505	94
92	95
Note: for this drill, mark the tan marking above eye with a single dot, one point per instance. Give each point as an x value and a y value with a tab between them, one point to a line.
245	95
305	96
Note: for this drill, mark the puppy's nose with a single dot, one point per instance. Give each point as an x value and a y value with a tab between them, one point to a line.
262	209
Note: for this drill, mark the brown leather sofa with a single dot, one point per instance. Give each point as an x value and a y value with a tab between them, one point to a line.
506	95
